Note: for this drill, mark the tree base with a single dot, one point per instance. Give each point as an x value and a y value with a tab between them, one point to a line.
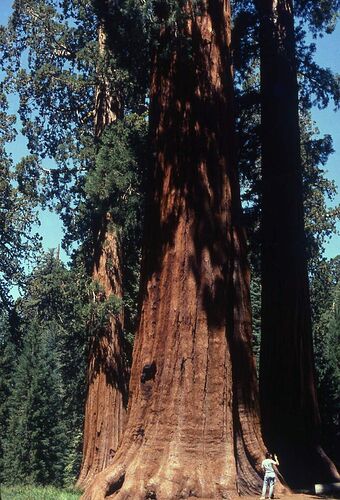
138	482
304	466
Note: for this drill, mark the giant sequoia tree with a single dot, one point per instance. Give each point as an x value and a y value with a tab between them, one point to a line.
288	395
106	398
113	186
74	84
193	426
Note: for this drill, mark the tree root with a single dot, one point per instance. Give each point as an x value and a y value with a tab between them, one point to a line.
105	484
126	484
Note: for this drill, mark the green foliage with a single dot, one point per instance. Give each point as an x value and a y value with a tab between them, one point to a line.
35	438
117	186
7	364
102	308
326	301
318	191
115	182
52	59
18	212
321	16
43	440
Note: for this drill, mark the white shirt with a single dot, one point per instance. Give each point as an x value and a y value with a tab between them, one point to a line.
267	466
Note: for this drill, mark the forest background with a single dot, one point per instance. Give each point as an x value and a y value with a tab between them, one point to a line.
46	331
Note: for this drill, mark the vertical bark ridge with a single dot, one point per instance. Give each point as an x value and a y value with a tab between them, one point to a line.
106	401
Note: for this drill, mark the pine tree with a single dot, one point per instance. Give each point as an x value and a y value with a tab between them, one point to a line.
8	357
325	295
47	398
35	438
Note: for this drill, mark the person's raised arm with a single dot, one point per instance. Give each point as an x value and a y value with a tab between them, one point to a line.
276	460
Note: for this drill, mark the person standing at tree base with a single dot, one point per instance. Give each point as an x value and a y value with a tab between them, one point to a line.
269	475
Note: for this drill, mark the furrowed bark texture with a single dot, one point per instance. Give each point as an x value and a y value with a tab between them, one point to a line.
288	396
106	401
193	426
108	371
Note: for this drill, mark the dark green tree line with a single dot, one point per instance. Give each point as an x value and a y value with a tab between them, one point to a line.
45	377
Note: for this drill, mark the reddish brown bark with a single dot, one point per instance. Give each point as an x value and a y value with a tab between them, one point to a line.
193	426
108	372
106	400
289	406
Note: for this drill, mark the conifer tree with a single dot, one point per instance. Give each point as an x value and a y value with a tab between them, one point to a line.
93	73
325	295
8	357
19	198
52	318
289	408
110	185
35	438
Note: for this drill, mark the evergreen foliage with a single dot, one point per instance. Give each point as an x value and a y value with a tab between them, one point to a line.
325	296
330	378
7	364
117	185
45	405
52	60
36	437
19	198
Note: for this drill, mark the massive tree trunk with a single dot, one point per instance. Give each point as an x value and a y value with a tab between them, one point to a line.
193	424
107	393
287	387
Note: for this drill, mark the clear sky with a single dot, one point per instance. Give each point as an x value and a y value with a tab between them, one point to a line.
328	122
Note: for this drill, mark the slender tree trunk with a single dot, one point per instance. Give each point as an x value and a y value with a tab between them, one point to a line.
193	426
107	394
288	396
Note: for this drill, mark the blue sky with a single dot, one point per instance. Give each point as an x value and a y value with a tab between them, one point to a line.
327	55
328	121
